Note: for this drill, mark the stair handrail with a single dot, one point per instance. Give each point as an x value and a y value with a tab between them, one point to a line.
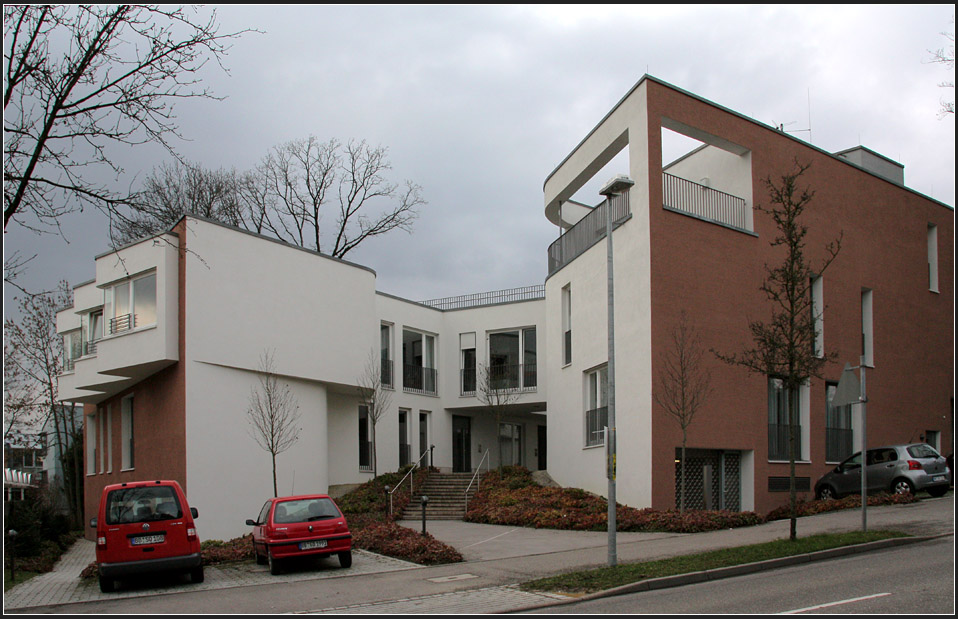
415	466
478	469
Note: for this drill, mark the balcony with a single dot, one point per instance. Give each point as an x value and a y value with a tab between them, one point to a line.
520	377
687	197
417	379
589	231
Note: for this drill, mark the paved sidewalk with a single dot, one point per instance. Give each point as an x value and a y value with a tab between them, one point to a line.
64	586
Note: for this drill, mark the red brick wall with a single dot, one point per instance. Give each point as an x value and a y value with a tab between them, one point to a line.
714	274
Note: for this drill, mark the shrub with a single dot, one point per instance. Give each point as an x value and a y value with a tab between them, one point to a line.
388	538
237	549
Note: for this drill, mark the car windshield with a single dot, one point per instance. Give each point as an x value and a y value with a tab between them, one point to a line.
922	451
142	504
304	510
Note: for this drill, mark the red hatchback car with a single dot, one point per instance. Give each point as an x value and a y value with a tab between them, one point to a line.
300	526
143	527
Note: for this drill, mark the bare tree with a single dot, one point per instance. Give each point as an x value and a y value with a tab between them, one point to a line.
375	396
784	348
80	80
685	384
946	56
497	389
273	413
34	358
177	189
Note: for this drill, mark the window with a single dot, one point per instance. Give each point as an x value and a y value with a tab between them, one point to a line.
423	433
127	435
838	427
868	345
818	310
778	422
109	438
512	359
566	325
131	304
419	362
467	363
385	346
597	406
90	444
91	326
404	449
510	444
933	257
365	445
72	349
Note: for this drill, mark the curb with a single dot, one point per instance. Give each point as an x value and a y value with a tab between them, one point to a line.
679	580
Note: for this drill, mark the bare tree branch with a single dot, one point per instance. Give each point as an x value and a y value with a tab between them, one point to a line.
273	413
375	396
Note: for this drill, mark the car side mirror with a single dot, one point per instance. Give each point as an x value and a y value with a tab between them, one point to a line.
250	522
92	523
194	513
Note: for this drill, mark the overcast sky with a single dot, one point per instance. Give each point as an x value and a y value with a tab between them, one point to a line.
479	104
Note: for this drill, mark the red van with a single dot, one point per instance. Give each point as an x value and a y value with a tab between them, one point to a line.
300	526
143	527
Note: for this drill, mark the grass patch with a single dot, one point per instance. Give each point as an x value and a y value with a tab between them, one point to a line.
600	579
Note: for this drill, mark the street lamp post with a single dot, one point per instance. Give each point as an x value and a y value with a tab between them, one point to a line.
615	186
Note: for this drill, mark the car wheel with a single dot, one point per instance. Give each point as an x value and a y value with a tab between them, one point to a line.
196	575
902	486
107	585
938	491
346	558
826	493
273	563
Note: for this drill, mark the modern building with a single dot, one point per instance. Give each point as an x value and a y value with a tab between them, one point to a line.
168	338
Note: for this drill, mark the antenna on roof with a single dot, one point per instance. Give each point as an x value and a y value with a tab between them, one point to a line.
781	126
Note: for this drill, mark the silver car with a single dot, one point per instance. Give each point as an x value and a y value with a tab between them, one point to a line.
896	468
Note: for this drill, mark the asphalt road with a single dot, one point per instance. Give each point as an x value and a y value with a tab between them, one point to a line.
912	579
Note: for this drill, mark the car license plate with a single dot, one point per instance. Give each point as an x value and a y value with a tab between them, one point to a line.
148	539
938	478
319	543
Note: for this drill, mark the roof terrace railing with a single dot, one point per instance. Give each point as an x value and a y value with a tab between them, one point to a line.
587	232
511	295
685	196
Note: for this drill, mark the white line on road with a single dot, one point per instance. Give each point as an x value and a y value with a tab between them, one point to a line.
491	538
838	603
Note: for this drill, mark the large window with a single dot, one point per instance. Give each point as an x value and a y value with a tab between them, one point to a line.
818	312
419	362
467	363
512	359
868	336
566	325
385	347
778	422
838	427
131	304
365	445
933	257
597	406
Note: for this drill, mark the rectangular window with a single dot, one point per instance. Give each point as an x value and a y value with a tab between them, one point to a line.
385	347
109	438
597	406
131	304
404	448
838	427
423	435
127	434
365	445
529	370
72	349
91	444
566	325
467	363
933	257
778	422
419	362
868	344
101	436
818	312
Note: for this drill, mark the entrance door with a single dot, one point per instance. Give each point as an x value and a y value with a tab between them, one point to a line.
461	445
541	448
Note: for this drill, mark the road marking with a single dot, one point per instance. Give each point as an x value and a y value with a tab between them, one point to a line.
838	603
452	578
491	538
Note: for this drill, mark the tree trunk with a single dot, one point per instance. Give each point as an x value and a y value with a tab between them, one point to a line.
793	505
682	490
275	490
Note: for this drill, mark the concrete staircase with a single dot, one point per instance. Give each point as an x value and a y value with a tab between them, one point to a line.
446	492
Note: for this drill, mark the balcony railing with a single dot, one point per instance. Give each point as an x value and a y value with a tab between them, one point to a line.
417	379
838	444
467	381
478	299
387	373
704	202
595	422
366	456
122	323
589	231
89	348
778	441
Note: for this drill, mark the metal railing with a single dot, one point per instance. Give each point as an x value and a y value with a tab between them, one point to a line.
838	444
476	479
365	456
693	198
122	323
417	379
589	231
411	477
510	295
467	381
778	441
89	347
387	373
595	422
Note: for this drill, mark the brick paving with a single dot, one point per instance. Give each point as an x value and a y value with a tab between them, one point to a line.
473	602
